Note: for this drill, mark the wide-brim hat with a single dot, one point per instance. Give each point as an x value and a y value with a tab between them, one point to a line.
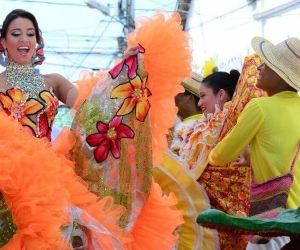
283	58
192	84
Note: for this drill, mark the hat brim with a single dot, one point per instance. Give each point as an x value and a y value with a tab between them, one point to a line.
270	55
192	84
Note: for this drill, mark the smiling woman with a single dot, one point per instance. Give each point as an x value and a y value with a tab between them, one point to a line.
45	204
40	192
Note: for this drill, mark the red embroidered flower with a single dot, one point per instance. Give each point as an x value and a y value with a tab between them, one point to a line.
108	138
131	62
135	95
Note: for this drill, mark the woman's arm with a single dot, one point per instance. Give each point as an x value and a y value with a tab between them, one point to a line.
240	136
65	91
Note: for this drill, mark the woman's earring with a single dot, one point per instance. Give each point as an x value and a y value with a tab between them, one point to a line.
217	106
33	58
6	53
5	62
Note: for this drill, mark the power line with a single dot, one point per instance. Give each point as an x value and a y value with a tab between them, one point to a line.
91	49
46	2
221	16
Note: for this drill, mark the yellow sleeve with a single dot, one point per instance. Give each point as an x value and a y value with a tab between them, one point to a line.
240	136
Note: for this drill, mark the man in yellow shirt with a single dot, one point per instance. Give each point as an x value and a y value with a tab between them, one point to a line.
270	124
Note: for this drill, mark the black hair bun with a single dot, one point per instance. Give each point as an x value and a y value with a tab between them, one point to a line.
235	74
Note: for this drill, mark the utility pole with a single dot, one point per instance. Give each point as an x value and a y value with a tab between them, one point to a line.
126	16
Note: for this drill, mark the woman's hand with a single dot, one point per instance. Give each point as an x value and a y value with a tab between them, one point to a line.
244	158
132	51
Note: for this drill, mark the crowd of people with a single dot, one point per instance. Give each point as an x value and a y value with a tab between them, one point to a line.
149	149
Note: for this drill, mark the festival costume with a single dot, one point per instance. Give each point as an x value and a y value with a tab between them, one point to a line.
42	195
119	135
274	139
258	112
226	187
121	128
255	115
192	117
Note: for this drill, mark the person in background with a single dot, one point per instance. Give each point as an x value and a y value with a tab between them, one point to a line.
271	126
187	102
214	91
195	141
188	109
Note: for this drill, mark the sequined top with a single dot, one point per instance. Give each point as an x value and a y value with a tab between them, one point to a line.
36	114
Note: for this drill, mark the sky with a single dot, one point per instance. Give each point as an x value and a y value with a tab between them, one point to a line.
223	30
78	37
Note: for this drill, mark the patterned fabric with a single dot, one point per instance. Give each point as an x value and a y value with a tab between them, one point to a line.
269	198
37	115
25	110
7	226
228	186
193	140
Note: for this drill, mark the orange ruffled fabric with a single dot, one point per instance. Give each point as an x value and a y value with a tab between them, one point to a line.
87	80
167	59
32	188
39	184
104	211
158	220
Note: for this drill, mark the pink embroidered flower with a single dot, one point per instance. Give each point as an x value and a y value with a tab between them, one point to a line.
135	95
131	62
108	138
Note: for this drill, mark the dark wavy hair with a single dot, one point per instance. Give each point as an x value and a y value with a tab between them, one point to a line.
23	14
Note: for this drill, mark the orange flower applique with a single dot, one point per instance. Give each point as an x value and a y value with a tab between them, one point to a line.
135	95
47	117
108	138
15	103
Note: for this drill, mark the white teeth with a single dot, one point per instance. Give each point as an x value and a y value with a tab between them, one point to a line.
23	47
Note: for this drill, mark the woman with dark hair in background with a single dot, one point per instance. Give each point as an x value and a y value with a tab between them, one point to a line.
222	97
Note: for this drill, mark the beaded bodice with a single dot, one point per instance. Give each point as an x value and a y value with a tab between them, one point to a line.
28	99
24	77
30	102
36	114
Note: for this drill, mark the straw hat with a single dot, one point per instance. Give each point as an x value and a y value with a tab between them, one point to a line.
192	84
283	58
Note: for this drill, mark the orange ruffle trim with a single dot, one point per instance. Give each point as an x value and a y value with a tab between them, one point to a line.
167	59
158	220
32	189
38	185
87	80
